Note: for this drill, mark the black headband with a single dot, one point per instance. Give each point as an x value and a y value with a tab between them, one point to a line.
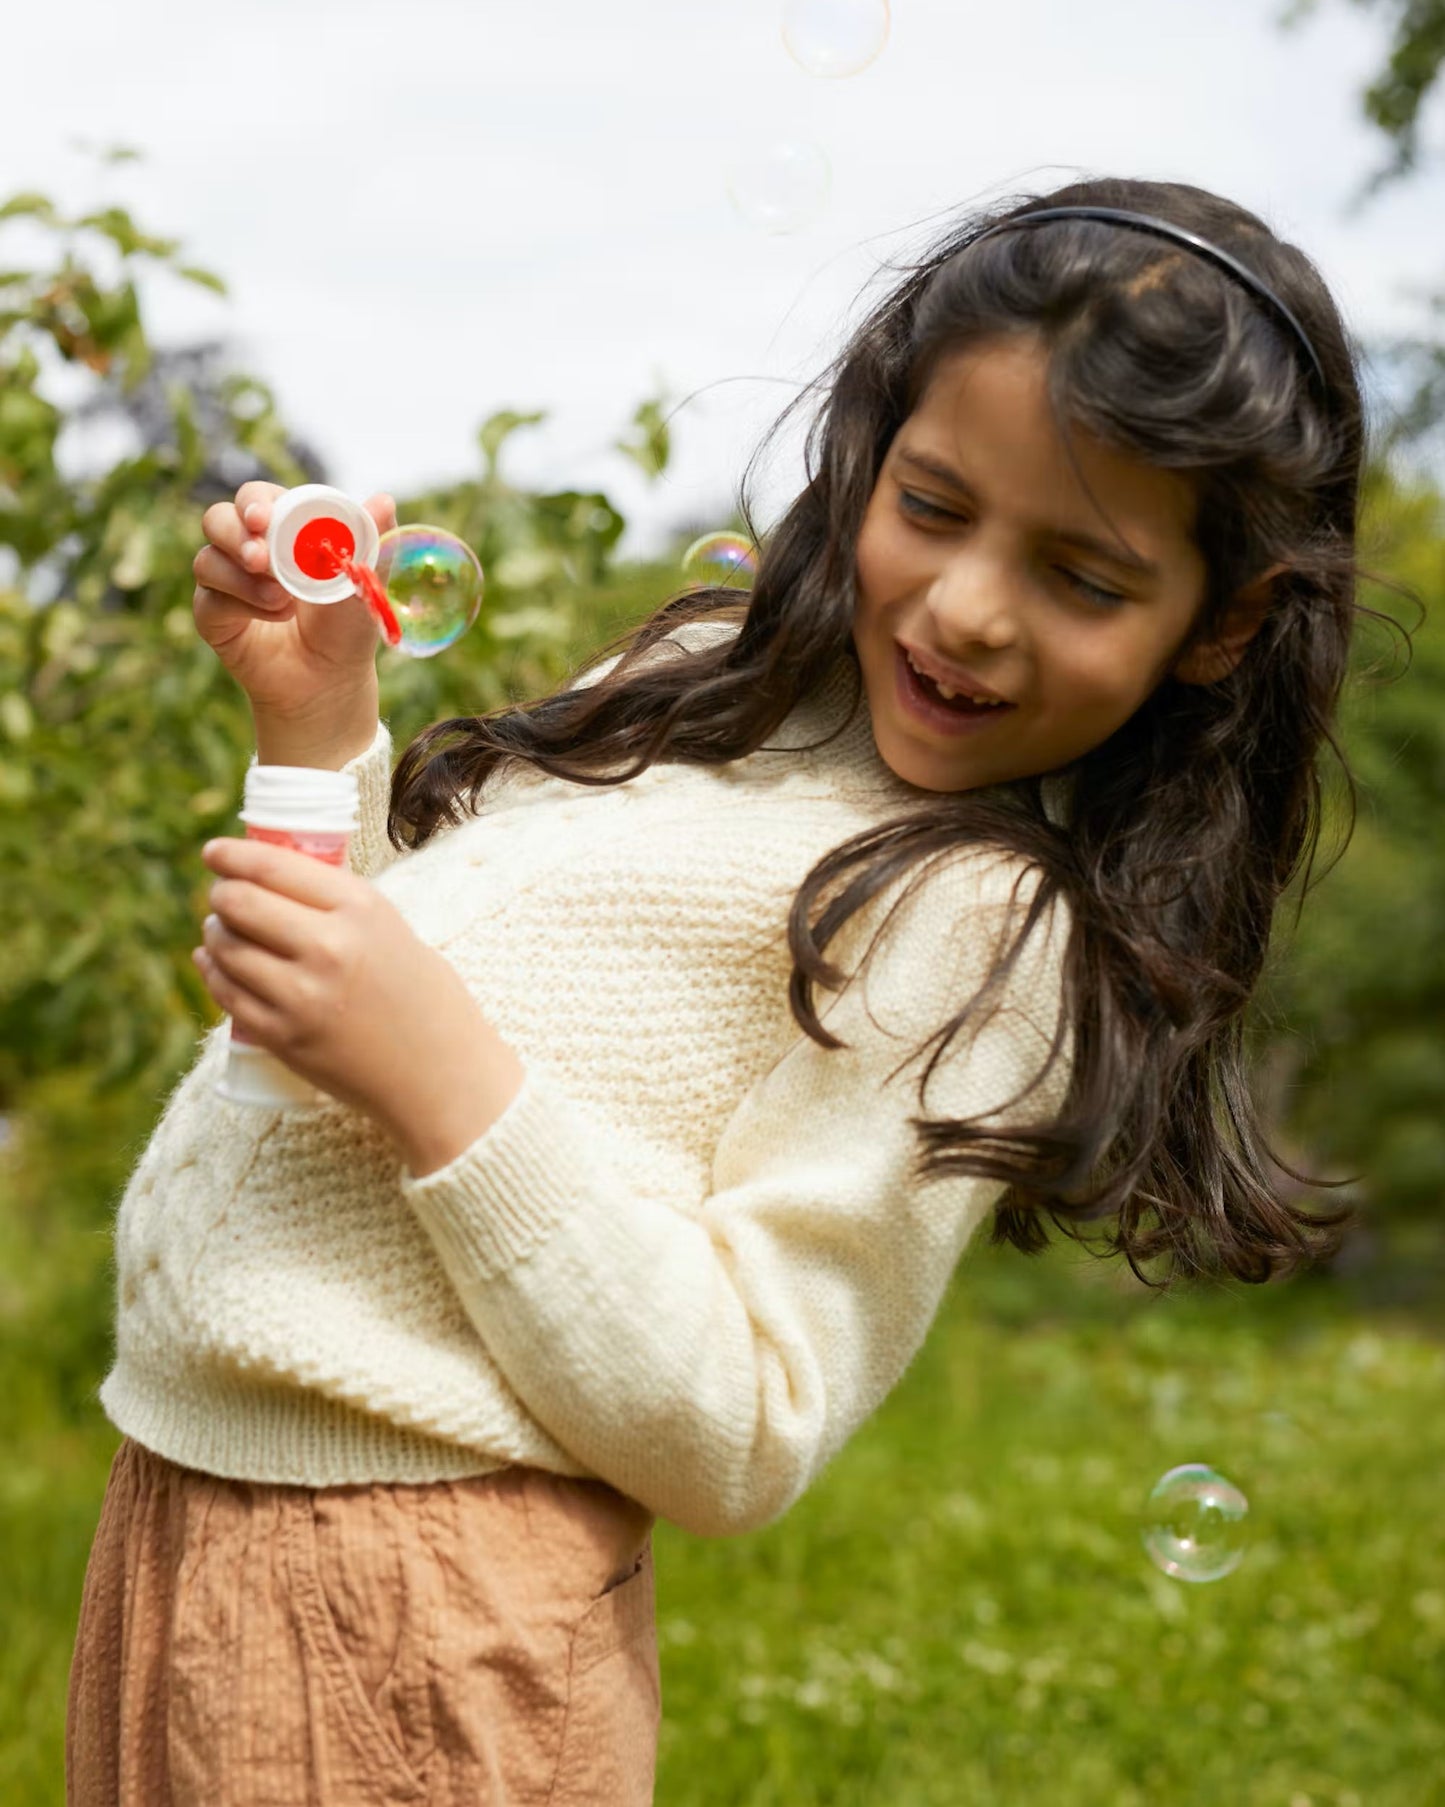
1147	222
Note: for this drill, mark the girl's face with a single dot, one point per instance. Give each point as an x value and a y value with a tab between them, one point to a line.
971	554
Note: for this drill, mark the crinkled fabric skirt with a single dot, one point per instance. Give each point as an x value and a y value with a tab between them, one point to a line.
484	1641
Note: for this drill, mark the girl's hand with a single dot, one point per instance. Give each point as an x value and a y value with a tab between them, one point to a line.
294	660
318	967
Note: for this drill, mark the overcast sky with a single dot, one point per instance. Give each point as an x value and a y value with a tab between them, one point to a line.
426	212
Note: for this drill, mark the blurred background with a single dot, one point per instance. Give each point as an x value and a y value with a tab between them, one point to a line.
547	274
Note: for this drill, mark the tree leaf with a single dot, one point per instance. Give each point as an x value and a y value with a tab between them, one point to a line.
650	443
35	204
206	278
499	427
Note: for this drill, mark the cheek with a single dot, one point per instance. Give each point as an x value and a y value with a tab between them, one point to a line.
1101	675
884	559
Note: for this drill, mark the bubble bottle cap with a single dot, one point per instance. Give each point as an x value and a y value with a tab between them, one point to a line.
302	799
304	522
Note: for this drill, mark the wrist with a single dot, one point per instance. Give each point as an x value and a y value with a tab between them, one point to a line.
330	735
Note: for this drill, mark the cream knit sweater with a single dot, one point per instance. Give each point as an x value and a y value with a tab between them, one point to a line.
689	1258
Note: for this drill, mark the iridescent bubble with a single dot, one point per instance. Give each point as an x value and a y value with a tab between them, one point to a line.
433	583
1193	1524
835	37
782	187
721	560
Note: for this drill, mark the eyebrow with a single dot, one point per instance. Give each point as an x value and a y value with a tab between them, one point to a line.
1128	561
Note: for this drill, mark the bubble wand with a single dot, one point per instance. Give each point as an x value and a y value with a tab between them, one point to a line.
422	585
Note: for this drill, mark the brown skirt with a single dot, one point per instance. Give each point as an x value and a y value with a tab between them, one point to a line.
483	1641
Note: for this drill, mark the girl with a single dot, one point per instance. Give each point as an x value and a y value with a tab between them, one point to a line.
600	1222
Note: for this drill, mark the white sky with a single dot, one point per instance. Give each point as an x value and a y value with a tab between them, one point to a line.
429	211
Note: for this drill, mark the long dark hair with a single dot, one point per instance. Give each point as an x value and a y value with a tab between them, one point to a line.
1185	825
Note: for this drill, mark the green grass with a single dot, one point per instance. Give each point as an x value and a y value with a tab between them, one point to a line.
960	1611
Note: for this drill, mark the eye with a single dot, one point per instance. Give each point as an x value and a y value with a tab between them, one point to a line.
1092	591
918	505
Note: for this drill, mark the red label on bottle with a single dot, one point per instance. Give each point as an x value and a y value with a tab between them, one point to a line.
321	844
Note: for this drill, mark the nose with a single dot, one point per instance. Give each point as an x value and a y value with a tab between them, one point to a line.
970	603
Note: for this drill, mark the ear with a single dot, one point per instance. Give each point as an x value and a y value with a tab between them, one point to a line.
1207	661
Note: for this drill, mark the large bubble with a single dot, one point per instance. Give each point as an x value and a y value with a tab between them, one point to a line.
781	187
1193	1524
433	583
835	37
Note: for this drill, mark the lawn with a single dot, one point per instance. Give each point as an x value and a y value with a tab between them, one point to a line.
961	1610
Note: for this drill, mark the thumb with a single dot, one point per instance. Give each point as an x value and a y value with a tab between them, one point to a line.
382	509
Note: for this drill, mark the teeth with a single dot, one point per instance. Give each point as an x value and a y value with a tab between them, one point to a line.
991	702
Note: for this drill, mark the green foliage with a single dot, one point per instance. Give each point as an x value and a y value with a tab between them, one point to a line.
1361	996
123	741
1393	101
650	442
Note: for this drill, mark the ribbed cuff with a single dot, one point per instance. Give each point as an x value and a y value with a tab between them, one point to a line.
510	1190
370	850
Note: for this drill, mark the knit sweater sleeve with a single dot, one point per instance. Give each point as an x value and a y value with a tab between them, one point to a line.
709	1356
370	852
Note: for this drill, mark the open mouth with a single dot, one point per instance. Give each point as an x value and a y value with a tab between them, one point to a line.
924	699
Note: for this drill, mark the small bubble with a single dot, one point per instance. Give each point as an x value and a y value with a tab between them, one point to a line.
1193	1524
782	187
721	560
835	37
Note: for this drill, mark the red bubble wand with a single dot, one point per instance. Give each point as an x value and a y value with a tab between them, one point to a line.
325	547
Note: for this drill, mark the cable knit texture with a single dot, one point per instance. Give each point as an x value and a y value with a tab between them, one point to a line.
689	1259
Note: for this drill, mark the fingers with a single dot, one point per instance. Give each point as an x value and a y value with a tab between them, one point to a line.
382	509
250	927
243	964
254	502
221	577
238	529
262	869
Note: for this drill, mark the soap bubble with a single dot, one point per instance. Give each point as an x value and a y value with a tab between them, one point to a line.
782	187
1193	1524
433	583
721	560
835	37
